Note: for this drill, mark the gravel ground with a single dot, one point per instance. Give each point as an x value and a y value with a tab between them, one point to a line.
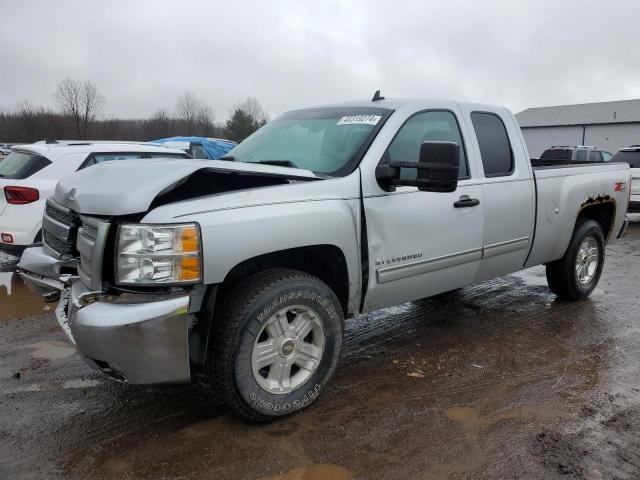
499	380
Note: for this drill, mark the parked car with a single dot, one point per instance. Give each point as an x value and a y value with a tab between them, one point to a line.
580	153
246	268
199	147
631	155
29	175
5	148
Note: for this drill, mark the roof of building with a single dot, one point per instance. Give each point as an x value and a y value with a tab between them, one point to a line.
622	111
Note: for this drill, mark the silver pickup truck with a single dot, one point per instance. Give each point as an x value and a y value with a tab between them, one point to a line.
247	267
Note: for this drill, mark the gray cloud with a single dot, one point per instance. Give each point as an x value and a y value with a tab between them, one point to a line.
144	54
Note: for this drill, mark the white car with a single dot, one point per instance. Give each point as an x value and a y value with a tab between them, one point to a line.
631	155
5	149
28	177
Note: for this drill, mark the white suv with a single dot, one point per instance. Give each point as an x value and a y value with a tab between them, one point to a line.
28	176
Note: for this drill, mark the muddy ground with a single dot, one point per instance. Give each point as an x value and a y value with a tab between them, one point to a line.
498	380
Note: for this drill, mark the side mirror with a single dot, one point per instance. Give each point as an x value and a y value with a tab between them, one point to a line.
437	167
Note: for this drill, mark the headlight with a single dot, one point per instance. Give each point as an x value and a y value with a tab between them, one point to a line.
157	254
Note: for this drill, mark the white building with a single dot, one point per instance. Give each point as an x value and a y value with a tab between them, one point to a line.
606	125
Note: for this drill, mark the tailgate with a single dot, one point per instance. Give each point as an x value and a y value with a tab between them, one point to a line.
635	181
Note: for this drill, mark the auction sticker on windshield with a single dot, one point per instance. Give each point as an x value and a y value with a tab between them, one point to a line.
359	120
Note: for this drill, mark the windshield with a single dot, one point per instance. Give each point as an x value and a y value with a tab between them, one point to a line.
324	140
19	165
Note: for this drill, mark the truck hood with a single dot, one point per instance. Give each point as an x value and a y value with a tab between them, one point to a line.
129	187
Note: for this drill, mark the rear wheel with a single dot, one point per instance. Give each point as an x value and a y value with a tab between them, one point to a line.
277	343
575	275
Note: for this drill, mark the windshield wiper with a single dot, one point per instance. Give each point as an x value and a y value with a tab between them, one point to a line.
229	158
279	163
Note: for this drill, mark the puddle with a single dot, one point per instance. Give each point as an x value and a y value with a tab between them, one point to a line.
16	300
202	429
472	421
51	350
80	383
116	465
315	472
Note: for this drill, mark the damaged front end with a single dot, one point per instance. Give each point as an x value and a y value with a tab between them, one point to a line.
134	337
121	303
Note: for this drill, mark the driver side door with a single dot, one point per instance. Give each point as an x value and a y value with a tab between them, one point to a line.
422	243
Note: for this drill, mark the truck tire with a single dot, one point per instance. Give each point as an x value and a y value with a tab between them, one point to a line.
276	345
575	275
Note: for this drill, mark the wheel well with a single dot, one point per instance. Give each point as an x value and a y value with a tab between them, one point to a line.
602	212
327	262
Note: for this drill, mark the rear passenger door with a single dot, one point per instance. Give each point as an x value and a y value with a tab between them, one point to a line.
507	191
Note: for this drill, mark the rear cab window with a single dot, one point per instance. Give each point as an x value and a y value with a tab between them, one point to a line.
20	165
493	140
632	157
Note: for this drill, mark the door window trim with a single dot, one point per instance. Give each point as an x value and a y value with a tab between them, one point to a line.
428	110
513	160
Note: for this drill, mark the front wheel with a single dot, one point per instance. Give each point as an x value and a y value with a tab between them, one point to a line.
277	343
576	275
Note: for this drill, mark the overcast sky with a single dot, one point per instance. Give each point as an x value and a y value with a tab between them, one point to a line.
144	54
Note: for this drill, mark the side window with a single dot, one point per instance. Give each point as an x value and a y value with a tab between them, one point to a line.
198	152
96	158
493	140
606	156
595	156
581	155
439	126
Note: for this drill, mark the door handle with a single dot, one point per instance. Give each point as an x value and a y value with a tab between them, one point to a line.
466	201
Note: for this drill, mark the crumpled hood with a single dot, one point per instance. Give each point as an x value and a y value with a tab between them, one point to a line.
127	187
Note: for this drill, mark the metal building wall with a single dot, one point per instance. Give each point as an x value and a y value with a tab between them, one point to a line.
538	139
611	137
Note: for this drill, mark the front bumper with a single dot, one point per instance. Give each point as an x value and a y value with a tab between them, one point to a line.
11	249
138	343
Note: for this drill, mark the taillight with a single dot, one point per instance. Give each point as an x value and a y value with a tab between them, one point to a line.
21	195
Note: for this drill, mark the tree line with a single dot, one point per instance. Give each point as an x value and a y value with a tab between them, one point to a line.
78	116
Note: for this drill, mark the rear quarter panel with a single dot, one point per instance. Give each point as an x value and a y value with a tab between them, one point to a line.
562	193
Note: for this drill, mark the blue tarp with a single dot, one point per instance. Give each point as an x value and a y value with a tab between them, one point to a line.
214	147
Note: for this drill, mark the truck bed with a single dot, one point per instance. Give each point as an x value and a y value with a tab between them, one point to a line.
562	191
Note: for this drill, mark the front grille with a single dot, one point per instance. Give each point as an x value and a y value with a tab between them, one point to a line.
89	232
86	265
59	229
61	216
57	244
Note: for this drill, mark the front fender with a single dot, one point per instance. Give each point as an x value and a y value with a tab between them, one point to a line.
230	237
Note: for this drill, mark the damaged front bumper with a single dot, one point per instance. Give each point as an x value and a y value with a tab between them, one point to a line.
138	339
137	343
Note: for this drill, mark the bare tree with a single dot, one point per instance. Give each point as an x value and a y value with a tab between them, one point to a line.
188	106
26	114
92	102
160	125
68	97
80	101
205	121
252	108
